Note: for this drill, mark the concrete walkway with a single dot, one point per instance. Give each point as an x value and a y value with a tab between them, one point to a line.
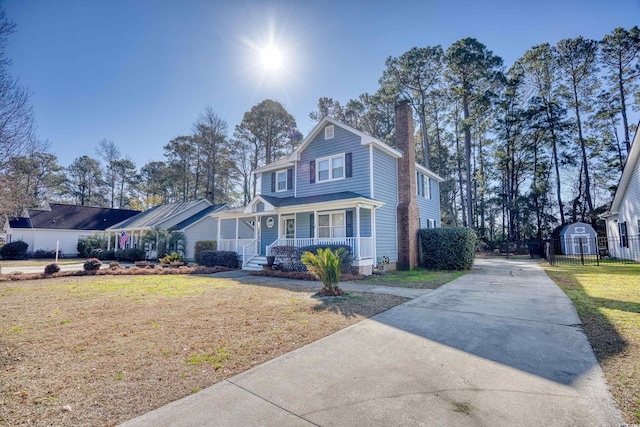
500	346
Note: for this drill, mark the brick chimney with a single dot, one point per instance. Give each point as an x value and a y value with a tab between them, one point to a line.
408	222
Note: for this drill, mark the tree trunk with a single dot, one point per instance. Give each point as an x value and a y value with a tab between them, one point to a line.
467	153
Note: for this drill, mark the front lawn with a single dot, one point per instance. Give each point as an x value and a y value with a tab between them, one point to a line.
608	301
99	350
418	278
40	262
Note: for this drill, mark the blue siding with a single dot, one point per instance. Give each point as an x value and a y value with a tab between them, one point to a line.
266	186
268	235
385	179
303	224
343	142
430	208
365	222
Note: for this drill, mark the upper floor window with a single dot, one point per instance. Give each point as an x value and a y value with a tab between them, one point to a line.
281	180
331	168
328	132
422	185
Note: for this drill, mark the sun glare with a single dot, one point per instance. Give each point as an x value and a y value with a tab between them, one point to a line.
271	57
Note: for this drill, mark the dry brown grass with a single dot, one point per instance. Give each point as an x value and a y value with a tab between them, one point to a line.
99	350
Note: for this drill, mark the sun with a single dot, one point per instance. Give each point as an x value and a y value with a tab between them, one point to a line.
271	58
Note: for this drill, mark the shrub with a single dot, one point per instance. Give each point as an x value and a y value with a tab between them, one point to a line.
203	245
174	257
289	258
14	250
51	268
327	266
92	264
447	248
219	258
114	265
131	254
106	255
41	253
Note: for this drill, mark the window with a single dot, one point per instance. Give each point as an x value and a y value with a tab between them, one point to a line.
330	168
332	225
422	185
639	226
281	177
328	132
624	243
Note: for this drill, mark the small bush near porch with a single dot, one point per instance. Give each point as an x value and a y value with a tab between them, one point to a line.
289	258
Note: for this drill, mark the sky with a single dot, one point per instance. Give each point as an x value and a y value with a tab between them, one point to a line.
140	72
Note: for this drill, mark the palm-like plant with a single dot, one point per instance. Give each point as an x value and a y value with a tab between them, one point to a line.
326	265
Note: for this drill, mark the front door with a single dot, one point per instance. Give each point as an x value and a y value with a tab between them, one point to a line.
586	244
289	228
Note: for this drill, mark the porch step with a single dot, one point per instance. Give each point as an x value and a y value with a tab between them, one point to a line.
255	264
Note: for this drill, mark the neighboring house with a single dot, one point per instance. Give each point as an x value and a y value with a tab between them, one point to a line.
339	186
190	217
62	225
623	217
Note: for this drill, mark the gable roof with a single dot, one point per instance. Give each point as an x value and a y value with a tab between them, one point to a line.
72	217
198	217
158	214
364	139
279	202
630	165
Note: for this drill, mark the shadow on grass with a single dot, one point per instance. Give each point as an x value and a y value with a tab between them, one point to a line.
603	335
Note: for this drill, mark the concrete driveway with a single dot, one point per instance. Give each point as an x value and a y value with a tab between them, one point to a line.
501	346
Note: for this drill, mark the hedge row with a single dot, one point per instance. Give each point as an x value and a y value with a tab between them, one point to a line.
203	245
448	248
131	254
218	258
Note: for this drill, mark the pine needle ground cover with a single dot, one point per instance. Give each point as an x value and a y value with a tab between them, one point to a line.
608	301
99	350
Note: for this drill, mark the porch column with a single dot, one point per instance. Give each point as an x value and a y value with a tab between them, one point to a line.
218	234
373	235
315	226
255	228
358	231
109	241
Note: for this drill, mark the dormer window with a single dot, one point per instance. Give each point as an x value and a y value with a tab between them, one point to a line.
328	132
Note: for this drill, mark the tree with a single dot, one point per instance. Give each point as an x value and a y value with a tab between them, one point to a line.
577	60
155	184
16	114
540	67
415	73
214	171
266	133
125	171
472	70
181	156
328	107
110	155
84	181
619	53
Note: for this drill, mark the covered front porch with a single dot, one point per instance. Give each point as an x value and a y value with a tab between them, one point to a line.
252	235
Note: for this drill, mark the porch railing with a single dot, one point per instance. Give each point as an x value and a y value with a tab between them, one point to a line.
233	245
249	251
362	247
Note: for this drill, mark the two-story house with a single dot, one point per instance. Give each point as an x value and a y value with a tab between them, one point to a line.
338	186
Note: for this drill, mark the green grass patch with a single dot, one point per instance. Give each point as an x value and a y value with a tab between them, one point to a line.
40	262
215	359
417	278
607	298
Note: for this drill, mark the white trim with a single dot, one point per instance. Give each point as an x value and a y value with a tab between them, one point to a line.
330	160
364	138
295	179
627	173
329	132
371	171
331	226
429	173
283	220
276	185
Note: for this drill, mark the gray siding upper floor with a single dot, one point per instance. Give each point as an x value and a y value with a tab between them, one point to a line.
385	185
266	185
429	208
342	142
